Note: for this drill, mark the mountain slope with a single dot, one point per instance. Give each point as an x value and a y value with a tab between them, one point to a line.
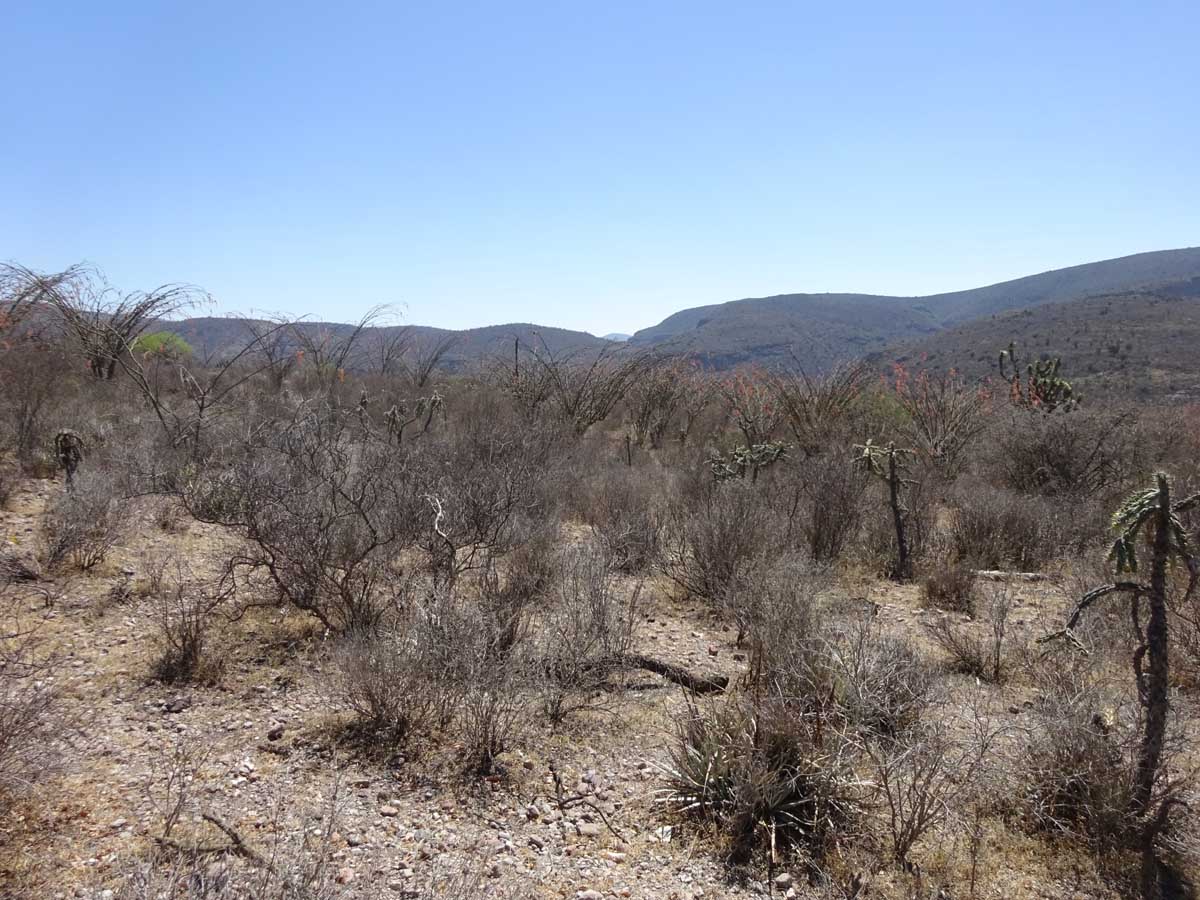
1139	343
822	329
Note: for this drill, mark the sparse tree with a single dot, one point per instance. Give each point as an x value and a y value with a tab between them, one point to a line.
425	356
813	406
275	350
329	349
654	400
945	415
385	349
751	406
99	320
586	390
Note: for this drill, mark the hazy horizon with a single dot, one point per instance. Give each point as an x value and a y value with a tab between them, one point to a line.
591	168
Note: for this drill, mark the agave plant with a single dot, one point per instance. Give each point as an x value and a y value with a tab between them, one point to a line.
762	773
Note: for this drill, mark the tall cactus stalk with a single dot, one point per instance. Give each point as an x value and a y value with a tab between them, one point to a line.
1042	387
1150	515
888	464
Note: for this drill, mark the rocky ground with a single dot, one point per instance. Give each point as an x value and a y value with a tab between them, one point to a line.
260	743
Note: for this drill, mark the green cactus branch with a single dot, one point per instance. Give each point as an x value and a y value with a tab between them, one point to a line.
1042	386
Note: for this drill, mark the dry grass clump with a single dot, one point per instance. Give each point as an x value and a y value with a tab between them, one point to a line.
950	586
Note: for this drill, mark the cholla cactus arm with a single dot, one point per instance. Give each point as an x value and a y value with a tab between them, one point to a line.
887	464
1151	515
743	459
1043	388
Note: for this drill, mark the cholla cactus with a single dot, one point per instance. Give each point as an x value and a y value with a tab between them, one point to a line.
744	459
1150	515
1042	387
69	449
889	464
405	412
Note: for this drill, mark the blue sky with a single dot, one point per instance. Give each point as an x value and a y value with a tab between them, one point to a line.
594	166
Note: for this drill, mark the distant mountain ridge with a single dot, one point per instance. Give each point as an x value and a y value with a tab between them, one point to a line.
214	336
818	330
822	329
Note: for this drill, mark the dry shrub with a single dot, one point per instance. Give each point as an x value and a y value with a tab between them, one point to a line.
623	508
405	679
170	516
996	528
830	496
31	728
984	655
32	383
184	609
1080	759
8	483
494	709
83	523
1079	453
714	541
881	683
950	586
325	513
926	774
774	603
588	626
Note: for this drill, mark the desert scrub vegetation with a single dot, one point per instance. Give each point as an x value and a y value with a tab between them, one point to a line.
33	726
460	572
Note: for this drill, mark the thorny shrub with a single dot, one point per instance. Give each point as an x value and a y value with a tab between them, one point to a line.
83	523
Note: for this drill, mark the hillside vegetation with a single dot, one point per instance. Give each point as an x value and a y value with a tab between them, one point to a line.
583	627
1136	344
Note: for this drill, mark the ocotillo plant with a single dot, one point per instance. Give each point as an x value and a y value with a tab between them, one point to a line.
1042	387
889	464
1153	516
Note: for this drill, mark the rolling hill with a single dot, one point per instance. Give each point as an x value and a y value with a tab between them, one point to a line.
1134	343
216	336
821	329
1076	312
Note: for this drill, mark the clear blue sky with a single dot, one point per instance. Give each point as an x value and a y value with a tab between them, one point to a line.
591	165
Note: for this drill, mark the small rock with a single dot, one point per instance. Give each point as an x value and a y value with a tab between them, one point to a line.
588	894
588	829
389	812
784	880
275	733
345	875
